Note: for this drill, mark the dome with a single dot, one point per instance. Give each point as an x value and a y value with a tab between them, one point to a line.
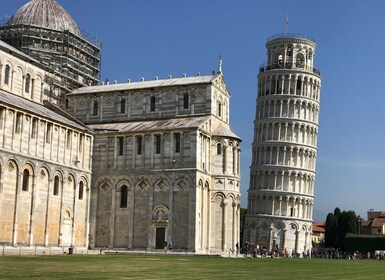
47	14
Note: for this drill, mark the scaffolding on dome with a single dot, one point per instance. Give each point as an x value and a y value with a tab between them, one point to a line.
75	61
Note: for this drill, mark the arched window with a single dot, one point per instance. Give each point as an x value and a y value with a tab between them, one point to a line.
158	143
299	61
289	51
185	101
299	85
19	119
219	149
120	145
219	109
56	185
25	180
177	142
122	105
280	59
7	74
96	107
81	190
123	196
152	104
27	83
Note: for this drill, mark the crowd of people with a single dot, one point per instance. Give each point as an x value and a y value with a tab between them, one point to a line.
255	250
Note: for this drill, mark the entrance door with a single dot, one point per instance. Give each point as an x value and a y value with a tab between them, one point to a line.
160	237
66	231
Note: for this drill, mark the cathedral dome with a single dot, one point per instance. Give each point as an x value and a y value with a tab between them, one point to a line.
47	14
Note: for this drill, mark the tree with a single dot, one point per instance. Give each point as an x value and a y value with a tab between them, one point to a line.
330	230
338	225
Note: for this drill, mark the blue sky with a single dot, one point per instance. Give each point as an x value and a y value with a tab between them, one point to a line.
172	37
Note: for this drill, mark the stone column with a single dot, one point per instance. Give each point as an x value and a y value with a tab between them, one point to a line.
270	239
15	212
73	240
112	221
208	237
169	235
224	220
88	214
234	236
12	75
282	84
32	89
62	182
46	230
32	213
289	85
283	239
93	212
132	217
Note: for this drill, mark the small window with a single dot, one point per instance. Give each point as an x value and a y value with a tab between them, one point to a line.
81	140
139	144
219	109
157	144
18	123
177	142
69	136
185	101
27	83
67	103
81	190
96	108
122	105
120	145
123	196
34	128
25	180
219	149
7	74
56	185
49	132
152	104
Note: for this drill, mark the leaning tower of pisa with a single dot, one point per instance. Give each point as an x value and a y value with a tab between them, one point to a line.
282	172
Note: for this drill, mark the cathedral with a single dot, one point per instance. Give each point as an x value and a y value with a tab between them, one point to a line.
123	166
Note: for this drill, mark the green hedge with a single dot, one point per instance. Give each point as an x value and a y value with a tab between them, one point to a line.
364	243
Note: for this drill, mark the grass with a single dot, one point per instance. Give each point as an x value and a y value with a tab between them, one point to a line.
184	267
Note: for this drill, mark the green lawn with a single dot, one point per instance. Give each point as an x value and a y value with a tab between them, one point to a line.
184	267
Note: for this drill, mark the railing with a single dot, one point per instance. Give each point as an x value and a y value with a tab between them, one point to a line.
290	35
298	66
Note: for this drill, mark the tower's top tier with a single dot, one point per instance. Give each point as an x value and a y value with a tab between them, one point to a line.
290	51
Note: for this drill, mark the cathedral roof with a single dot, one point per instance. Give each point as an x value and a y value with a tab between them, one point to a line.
148	84
223	131
38	109
152	125
45	13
